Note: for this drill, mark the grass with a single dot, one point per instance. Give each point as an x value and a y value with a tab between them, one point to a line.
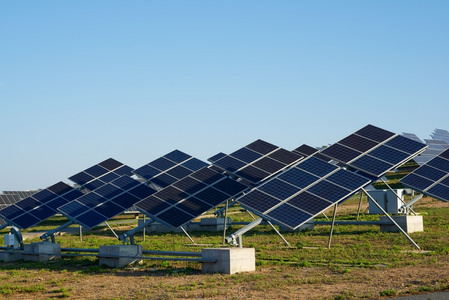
355	250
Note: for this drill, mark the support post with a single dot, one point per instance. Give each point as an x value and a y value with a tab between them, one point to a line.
185	232
393	221
332	226
274	228
107	224
360	205
225	221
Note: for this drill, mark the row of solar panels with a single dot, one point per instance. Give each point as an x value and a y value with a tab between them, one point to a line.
436	145
285	187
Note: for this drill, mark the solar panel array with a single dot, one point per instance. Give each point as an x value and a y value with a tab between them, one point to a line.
301	192
8	199
21	194
432	178
169	168
190	197
373	150
440	134
106	201
100	174
256	161
40	206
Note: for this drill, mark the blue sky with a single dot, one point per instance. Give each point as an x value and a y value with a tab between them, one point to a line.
82	81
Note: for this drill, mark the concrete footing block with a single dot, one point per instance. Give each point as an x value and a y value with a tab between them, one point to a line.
214	224
42	251
229	260
409	224
118	256
9	257
306	226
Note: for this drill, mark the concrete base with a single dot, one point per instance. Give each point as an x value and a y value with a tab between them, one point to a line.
118	256
42	251
408	223
229	260
9	257
307	226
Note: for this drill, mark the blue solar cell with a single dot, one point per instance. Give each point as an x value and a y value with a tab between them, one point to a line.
163	180
371	165
109	209
110	164
416	182
142	191
229	164
42	213
189	185
444	154
152	205
171	195
125	200
108	191
72	209
124	170
162	164
340	153
90	219
60	188
146	172
439	191
405	144
358	143
216	157
230	186
72	195
194	206
348	179
252	174
269	165
125	182
298	177
94	184
28	204
439	163
81	178
212	196
429	172
179	172
26	220
174	217
262	147
177	156
96	171
374	133
445	181
54	204
279	189
309	203
44	196
194	164
284	156
108	177
289	215
11	212
207	175
246	155
329	191
389	155
305	150
316	166
256	200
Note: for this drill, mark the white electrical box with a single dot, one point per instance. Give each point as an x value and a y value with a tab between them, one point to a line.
10	240
387	199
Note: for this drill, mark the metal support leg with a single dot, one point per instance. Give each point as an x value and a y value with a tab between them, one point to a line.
81	233
332	226
272	226
185	232
111	229
360	205
225	222
391	219
143	229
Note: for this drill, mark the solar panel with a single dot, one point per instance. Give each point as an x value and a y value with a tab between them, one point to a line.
106	201
305	150
301	192
169	168
412	136
256	161
8	199
21	194
40	206
101	173
190	197
432	178
373	150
